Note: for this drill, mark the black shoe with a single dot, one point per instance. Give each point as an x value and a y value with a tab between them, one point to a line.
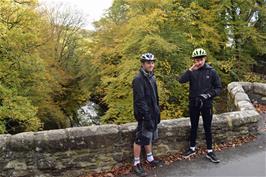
138	170
189	153
212	157
155	163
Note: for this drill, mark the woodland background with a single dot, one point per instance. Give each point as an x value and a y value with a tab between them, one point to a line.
50	65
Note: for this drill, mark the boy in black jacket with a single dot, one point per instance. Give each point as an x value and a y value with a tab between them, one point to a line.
204	85
146	112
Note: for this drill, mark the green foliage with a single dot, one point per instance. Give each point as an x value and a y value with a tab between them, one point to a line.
171	30
50	66
15	108
45	71
22	74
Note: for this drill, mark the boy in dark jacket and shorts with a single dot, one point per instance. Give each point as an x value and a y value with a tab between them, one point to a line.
146	112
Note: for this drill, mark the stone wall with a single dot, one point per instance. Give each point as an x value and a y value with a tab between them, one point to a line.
75	151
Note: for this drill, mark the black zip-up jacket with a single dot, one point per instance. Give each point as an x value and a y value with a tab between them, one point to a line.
145	95
204	80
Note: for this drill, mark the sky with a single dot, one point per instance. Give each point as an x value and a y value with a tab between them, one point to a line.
93	9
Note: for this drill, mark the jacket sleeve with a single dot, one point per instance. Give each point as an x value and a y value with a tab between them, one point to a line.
158	103
139	99
216	83
157	95
185	77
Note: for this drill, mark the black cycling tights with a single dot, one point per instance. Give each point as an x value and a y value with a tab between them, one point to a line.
206	113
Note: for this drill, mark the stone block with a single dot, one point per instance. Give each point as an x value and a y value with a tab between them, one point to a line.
3	144
247	86
260	88
21	142
51	141
232	85
245	105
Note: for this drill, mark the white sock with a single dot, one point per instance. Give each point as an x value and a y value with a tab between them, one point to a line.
150	157
193	148
209	150
136	160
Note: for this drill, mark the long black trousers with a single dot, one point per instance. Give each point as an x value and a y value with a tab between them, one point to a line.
206	112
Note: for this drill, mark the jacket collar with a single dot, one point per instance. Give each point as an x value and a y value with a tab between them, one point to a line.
206	66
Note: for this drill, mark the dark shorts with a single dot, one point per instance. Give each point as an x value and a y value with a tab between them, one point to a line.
143	136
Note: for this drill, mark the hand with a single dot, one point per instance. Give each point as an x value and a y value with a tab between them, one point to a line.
148	124
194	67
205	96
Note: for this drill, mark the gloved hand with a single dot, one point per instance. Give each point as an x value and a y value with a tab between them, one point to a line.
205	96
200	99
148	124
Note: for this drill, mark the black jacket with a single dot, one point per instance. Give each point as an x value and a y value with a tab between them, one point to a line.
145	95
203	80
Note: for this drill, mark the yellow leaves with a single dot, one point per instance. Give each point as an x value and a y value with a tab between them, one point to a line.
227	65
158	16
40	86
253	77
148	22
171	111
166	67
118	91
157	44
19	109
170	30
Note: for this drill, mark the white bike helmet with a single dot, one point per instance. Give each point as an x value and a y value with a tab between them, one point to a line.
199	52
147	57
